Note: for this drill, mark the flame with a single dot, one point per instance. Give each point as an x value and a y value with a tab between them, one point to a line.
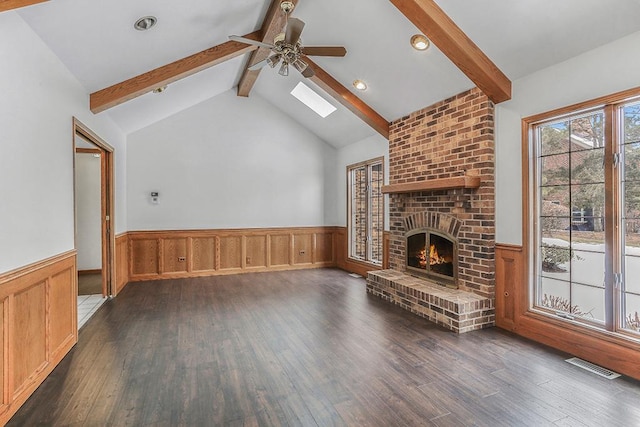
422	258
434	258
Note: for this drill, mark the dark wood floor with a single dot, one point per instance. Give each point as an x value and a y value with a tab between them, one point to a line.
307	348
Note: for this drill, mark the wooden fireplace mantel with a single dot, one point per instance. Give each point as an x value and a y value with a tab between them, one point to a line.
465	181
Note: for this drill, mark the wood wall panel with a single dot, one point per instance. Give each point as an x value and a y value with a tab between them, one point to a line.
508	278
302	248
30	345
122	263
144	257
38	321
174	255
324	252
203	250
280	250
62	319
230	252
256	251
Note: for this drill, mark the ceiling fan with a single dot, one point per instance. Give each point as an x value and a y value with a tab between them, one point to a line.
287	47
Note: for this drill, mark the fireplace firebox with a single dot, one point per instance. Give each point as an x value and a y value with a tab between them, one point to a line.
432	254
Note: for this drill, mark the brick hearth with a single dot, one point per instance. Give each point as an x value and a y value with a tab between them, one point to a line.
456	310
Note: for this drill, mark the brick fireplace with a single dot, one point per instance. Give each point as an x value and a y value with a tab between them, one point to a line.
441	178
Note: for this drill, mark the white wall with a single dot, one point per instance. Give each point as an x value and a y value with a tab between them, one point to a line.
88	212
603	71
229	162
38	99
366	149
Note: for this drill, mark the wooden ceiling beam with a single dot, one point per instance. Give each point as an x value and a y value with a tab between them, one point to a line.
272	25
15	4
167	74
460	49
348	99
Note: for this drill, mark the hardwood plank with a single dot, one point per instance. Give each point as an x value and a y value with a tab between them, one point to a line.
347	98
14	4
460	49
307	347
273	24
139	85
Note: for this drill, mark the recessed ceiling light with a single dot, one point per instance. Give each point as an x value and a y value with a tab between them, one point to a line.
145	23
311	99
420	42
360	85
160	89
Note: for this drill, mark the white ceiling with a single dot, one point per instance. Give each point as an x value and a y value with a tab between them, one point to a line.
96	40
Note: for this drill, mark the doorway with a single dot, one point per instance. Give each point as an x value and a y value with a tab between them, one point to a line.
94	237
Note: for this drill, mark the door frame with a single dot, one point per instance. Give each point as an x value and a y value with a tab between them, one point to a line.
106	205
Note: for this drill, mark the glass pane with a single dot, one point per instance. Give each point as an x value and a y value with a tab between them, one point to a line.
376	213
587	132
555	170
554	294
587	302
587	207
554	138
631	199
632	270
632	318
587	166
588	267
632	162
358	213
555	261
632	123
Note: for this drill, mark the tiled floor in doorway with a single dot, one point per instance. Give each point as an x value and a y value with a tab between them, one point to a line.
87	306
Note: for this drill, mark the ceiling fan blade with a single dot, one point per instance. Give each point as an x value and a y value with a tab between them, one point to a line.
249	41
258	65
324	50
294	29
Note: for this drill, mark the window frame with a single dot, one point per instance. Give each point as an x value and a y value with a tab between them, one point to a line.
614	325
367	164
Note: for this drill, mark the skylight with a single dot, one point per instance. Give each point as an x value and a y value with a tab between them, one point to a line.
311	99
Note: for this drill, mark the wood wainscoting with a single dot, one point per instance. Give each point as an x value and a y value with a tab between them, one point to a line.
512	313
38	320
192	253
122	263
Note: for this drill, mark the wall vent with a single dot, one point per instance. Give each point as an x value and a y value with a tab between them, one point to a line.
598	370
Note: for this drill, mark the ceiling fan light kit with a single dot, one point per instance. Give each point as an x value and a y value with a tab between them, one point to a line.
287	47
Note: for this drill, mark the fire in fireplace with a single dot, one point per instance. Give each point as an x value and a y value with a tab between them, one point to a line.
432	254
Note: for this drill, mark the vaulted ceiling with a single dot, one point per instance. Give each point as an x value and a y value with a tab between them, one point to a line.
487	43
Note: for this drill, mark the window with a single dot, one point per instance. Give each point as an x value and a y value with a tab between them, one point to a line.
585	187
366	211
